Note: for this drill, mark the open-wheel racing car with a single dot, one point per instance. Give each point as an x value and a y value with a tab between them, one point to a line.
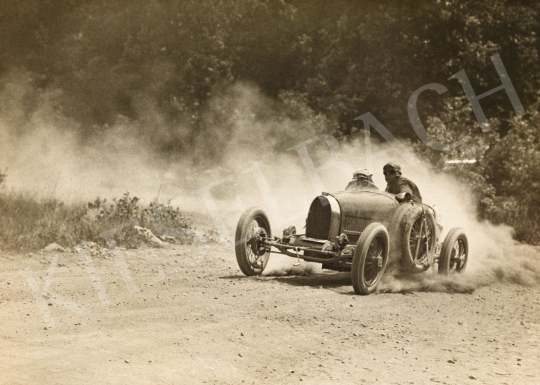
361	230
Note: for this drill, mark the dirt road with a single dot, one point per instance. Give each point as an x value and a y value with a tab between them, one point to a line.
144	317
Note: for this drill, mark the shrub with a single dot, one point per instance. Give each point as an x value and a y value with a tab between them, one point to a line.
27	223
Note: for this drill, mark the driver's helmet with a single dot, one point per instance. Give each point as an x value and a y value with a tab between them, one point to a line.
363	174
391	166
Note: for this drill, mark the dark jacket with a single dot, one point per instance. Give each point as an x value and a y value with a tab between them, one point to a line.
405	185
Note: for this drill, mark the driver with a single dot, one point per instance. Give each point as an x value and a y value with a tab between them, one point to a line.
398	184
362	179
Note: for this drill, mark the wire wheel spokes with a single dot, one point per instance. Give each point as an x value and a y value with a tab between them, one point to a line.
454	252
458	256
374	261
421	240
255	257
369	259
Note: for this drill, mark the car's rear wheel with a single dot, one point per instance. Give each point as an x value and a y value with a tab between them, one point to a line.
370	259
454	252
251	254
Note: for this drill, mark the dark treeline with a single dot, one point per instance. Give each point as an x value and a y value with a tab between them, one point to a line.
342	58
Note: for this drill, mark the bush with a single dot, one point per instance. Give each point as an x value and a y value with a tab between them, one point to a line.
27	223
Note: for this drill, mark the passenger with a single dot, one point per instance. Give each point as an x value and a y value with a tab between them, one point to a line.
398	184
362	180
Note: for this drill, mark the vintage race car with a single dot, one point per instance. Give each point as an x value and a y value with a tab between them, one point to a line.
361	230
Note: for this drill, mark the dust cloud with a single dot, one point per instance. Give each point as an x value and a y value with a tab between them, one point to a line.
243	154
46	155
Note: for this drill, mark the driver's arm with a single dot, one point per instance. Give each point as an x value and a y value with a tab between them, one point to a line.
404	188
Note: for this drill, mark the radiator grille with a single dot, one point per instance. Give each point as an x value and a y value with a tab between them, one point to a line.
318	221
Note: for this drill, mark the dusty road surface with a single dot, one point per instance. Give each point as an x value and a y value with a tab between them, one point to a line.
147	317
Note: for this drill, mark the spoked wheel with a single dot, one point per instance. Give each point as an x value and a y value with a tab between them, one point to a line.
252	229
370	259
418	239
454	252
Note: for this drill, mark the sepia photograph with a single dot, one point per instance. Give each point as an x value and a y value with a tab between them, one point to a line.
269	192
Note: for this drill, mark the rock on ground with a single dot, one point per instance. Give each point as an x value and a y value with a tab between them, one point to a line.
149	237
54	247
95	250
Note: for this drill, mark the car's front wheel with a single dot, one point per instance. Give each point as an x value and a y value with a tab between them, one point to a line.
370	259
251	231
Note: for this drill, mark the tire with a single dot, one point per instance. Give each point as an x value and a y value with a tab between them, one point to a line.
454	252
250	258
370	259
418	238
